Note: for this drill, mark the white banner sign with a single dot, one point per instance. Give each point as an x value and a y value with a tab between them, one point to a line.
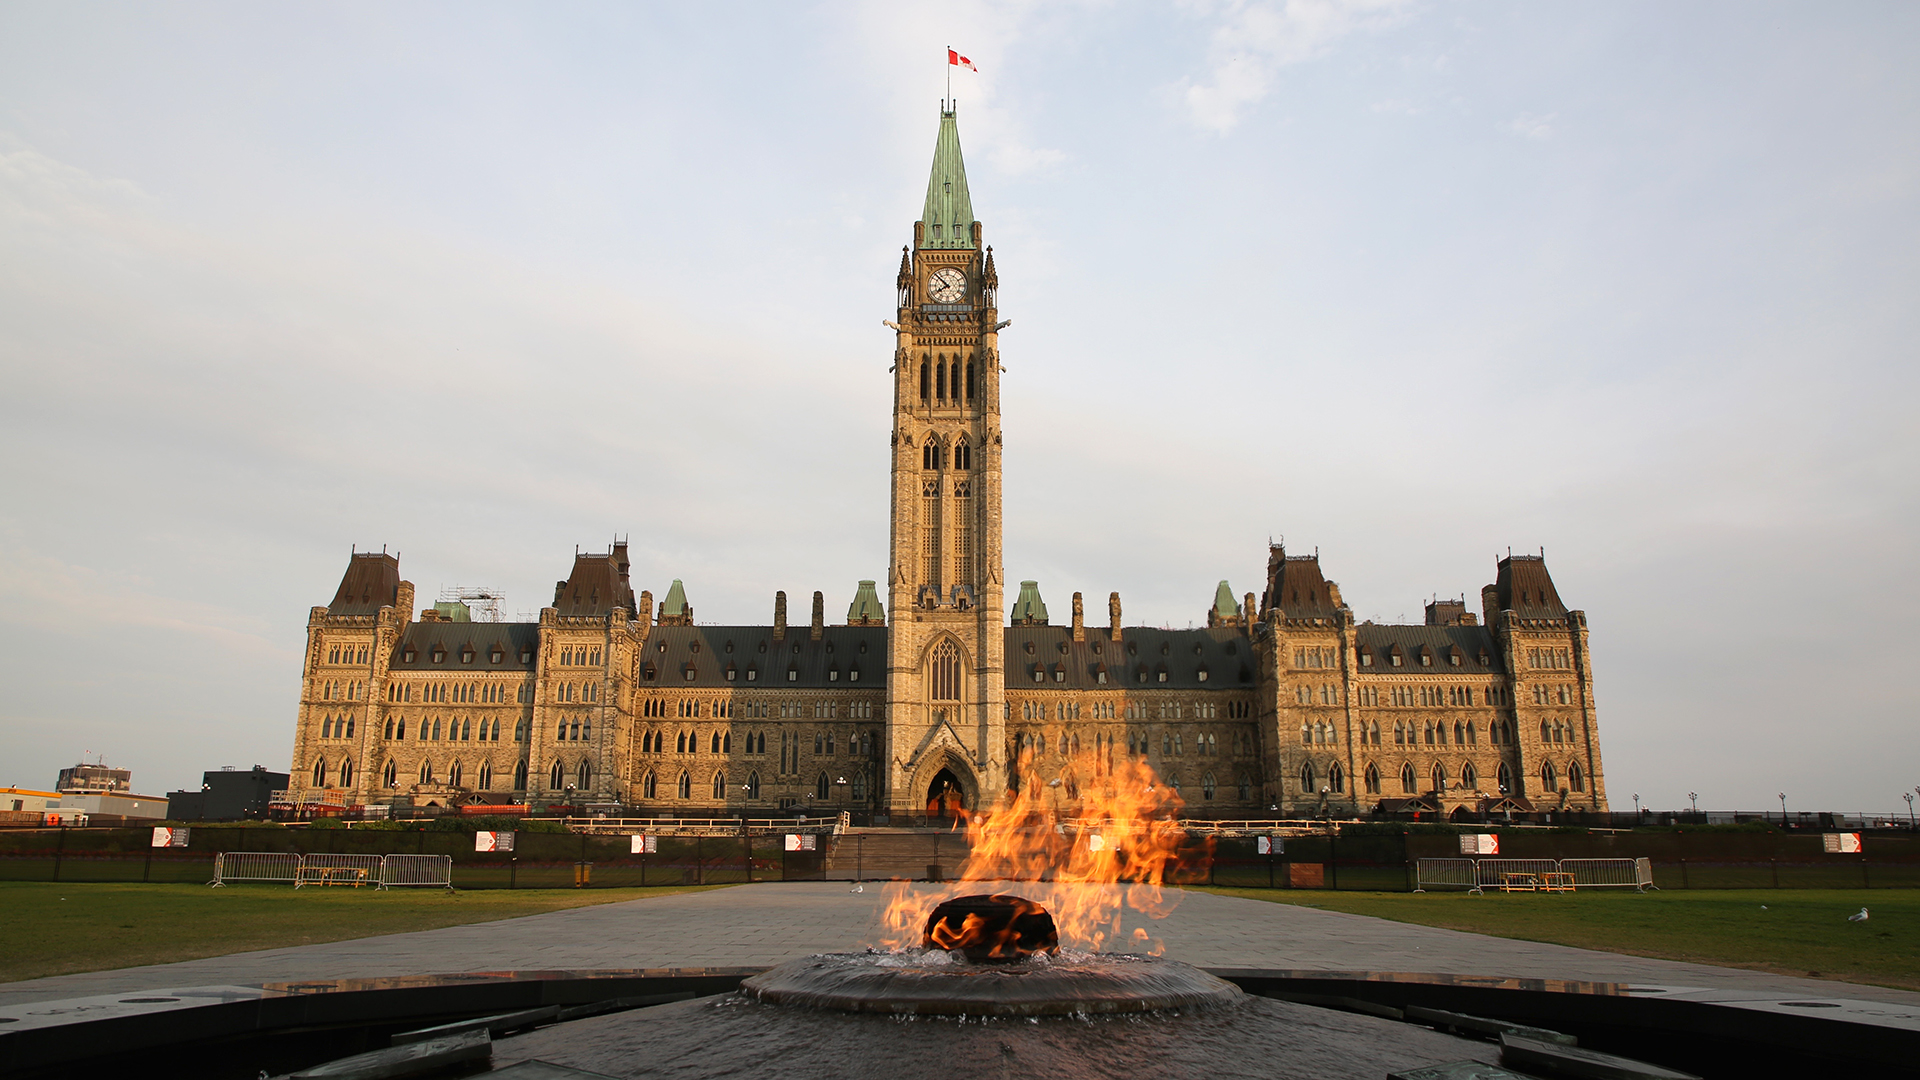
1841	843
802	842
492	841
1479	844
164	837
645	845
1271	845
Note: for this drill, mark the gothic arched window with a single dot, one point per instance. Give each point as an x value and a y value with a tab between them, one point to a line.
1306	777
1469	777
940	381
390	776
1373	779
944	682
1409	783
926	377
969	381
1576	780
486	775
520	776
1439	777
684	788
583	776
1336	778
320	772
720	787
649	785
453	774
753	778
1505	777
556	777
1549	780
426	772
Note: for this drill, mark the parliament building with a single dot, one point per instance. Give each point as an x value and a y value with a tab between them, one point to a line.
935	692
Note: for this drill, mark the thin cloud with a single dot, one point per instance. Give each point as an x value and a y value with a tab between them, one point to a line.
1255	40
1530	126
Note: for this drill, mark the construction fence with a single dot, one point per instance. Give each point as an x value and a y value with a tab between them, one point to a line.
1365	858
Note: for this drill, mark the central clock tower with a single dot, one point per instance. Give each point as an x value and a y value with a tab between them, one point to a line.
946	642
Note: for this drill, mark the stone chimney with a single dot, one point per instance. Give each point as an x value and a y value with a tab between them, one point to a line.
1246	614
1113	614
819	615
1079	619
646	608
780	615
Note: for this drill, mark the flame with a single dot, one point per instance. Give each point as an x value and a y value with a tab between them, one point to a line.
1098	839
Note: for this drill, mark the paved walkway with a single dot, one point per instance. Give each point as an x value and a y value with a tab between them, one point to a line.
764	924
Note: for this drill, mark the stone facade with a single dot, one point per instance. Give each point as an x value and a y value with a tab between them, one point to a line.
1280	705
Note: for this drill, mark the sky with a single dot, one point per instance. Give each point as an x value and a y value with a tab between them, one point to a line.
1408	283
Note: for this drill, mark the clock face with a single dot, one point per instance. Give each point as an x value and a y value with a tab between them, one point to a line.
948	285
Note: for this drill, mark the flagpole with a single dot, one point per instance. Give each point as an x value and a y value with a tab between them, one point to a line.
945	101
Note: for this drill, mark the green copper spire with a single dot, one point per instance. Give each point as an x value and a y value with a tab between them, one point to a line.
865	609
1224	605
947	221
1029	609
676	601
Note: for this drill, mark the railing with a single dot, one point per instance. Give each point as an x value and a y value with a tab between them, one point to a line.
275	866
698	826
354	870
404	870
1475	875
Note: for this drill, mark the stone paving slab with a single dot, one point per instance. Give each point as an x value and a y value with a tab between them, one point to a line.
767	923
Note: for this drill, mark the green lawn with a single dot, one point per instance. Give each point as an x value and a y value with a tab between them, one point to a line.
56	928
1789	931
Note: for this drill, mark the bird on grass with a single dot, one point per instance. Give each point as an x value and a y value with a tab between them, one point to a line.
1862	917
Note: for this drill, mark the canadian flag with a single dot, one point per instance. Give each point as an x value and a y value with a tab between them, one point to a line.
960	61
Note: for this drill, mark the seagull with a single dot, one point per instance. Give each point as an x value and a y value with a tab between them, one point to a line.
1862	917
858	888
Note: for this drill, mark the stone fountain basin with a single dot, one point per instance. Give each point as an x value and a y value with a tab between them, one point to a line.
933	983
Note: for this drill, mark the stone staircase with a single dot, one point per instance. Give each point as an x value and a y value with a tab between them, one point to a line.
879	854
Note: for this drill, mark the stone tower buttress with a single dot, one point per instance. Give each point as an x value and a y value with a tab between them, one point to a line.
946	668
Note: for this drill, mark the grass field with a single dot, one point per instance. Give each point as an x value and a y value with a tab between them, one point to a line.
57	928
1788	931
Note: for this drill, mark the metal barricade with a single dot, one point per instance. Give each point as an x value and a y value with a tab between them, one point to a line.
275	866
1445	874
403	870
1495	871
355	870
1636	874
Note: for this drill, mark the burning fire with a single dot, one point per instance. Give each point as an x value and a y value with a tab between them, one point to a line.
1101	837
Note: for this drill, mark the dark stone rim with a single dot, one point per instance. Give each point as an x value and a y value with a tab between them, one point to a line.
995	990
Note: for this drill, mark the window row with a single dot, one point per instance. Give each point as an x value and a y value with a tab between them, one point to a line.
1326	694
438	654
457	729
347	653
572	692
341	690
717	787
940	380
1426	656
580	656
444	692
690	672
1559	659
1554	695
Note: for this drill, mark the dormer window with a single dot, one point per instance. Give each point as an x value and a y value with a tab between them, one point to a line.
648	672
1039	674
1484	659
1453	657
526	656
498	654
731	672
691	671
1202	674
466	655
439	654
853	673
1059	673
833	674
793	673
693	646
1366	657
408	655
1426	656
753	674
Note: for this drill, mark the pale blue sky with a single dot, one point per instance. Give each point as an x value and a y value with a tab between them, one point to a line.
1411	283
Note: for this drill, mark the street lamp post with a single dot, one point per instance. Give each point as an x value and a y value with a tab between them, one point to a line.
1694	798
1783	809
1636	806
1909	797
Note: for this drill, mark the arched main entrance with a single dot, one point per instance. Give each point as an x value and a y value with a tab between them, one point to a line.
945	797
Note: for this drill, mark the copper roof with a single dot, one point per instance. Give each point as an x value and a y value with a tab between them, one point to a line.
467	646
1296	586
1524	587
597	585
1138	661
372	581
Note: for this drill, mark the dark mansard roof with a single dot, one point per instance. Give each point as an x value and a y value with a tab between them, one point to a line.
1224	654
597	585
1441	642
759	662
1524	587
372	581
1296	586
453	640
